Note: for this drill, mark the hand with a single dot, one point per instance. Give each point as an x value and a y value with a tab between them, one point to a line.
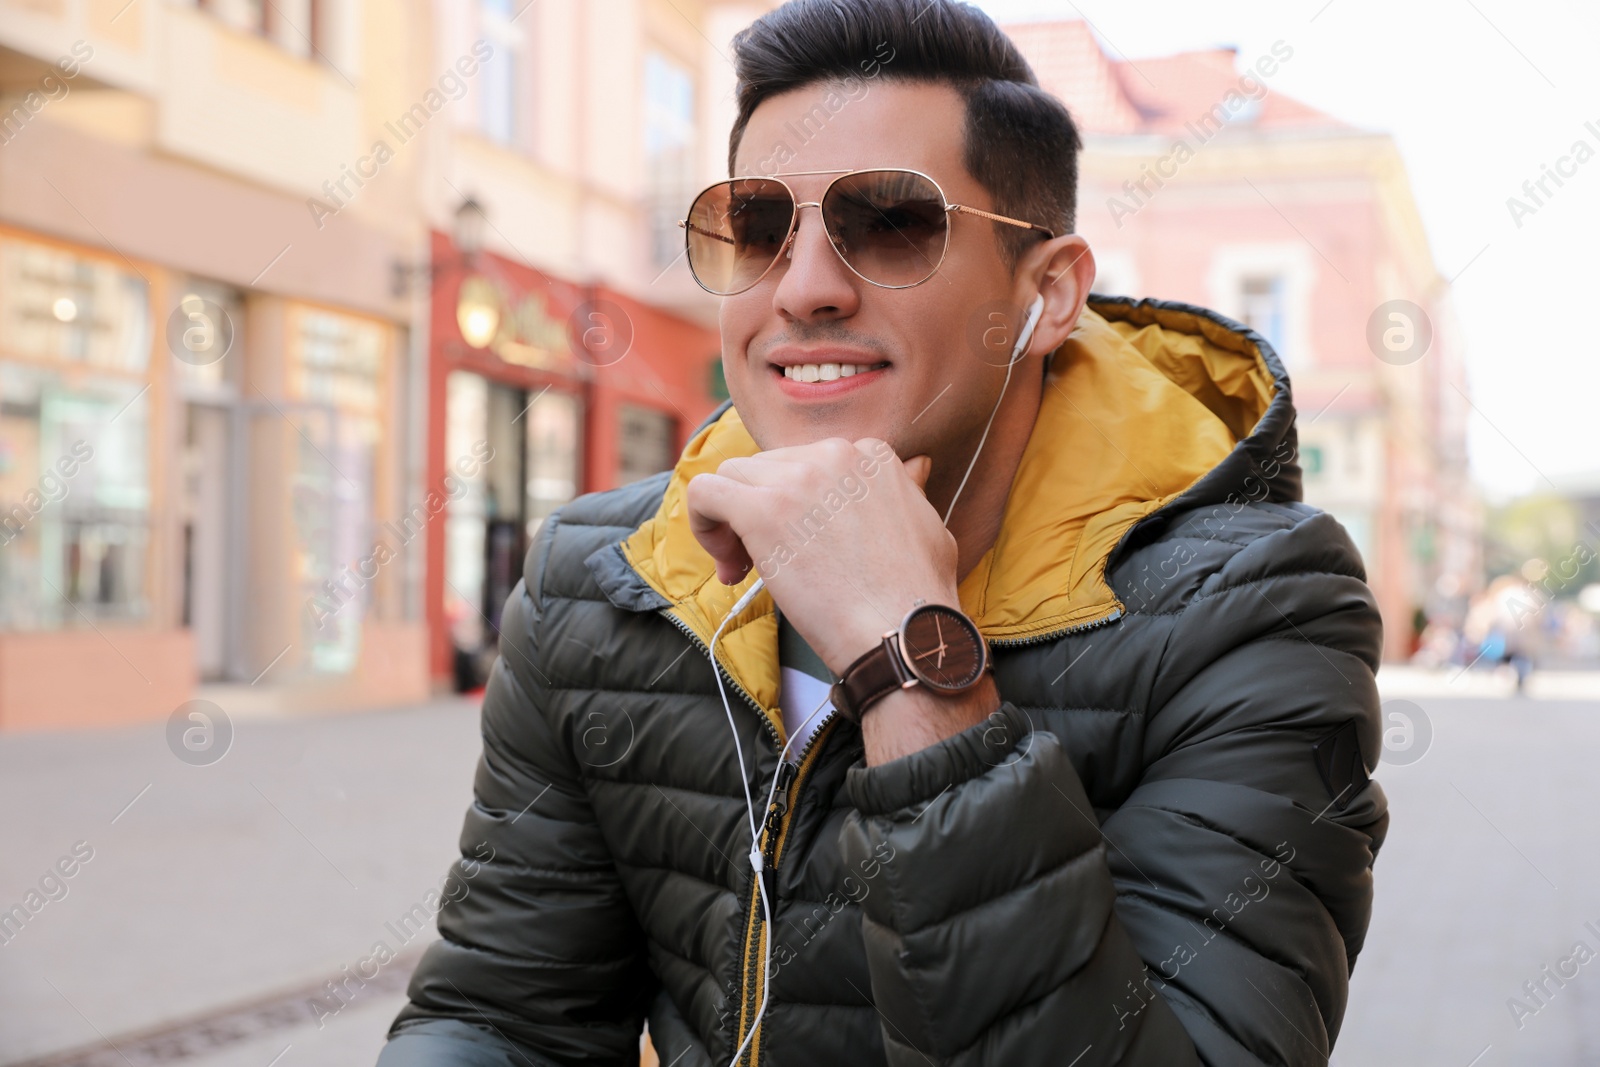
841	533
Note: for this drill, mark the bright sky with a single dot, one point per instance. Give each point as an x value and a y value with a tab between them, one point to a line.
1480	95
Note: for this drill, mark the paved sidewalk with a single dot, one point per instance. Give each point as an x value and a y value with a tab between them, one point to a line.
1490	876
258	877
219	899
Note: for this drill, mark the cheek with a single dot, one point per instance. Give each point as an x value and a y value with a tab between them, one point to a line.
933	326
738	322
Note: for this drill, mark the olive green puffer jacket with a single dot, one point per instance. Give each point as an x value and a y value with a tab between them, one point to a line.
1158	851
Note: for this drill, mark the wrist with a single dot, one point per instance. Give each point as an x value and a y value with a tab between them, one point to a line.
864	629
910	720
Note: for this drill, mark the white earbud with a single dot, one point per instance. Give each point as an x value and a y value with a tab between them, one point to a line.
1035	310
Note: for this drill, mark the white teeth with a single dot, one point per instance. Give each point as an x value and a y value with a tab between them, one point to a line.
824	372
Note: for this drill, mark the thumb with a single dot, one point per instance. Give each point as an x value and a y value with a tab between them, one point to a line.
919	467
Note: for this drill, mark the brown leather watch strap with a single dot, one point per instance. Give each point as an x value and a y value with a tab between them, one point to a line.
873	676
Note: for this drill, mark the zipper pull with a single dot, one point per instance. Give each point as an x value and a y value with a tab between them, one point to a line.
767	871
780	795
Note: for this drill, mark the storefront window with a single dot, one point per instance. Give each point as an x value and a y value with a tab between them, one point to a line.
74	436
66	308
512	459
467	413
335	373
553	424
647	445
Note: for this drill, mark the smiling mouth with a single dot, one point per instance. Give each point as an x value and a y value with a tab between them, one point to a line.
828	372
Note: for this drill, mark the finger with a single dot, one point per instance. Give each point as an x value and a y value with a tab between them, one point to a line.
766	469
713	501
919	467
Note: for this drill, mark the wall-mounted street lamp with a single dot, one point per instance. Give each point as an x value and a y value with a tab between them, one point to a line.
470	222
478	312
466	233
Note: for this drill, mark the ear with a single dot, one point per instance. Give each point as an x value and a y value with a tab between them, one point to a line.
1061	270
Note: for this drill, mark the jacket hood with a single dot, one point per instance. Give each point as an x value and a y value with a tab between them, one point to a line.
1148	404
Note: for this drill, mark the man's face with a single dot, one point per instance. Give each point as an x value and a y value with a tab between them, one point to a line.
930	385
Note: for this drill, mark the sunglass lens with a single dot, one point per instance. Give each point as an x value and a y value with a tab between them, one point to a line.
889	225
735	231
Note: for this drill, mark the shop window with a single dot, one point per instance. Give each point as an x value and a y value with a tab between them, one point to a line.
68	309
513	458
335	372
74	439
668	150
553	457
466	523
647	443
74	486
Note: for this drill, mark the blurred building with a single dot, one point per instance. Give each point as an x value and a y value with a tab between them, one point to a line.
1201	182
595	355
237	371
310	312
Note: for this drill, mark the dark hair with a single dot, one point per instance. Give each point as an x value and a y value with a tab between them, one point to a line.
1020	142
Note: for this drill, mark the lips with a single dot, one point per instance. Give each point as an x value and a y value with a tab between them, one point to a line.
825	381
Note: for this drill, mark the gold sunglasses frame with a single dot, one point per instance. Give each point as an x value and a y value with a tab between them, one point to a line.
794	222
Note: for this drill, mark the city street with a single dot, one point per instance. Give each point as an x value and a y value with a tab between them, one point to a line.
219	900
246	884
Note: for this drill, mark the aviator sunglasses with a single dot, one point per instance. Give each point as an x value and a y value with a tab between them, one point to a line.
890	226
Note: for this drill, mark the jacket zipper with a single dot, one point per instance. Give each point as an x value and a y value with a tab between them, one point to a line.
1092	624
782	802
774	834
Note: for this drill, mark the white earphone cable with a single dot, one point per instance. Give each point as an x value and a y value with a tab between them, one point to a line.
757	861
1034	311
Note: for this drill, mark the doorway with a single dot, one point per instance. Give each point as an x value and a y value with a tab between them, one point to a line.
531	438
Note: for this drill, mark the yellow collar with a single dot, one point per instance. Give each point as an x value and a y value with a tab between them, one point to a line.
1136	409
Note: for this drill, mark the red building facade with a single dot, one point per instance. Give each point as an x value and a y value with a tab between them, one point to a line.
539	389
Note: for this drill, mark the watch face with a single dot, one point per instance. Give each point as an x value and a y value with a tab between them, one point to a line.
942	647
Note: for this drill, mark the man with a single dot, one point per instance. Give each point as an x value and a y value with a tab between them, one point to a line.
1145	836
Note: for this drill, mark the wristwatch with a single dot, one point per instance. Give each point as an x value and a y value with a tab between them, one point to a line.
935	646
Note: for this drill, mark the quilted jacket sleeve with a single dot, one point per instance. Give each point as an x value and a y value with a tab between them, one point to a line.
1215	916
541	960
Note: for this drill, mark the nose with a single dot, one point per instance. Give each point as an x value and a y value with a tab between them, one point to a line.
815	284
